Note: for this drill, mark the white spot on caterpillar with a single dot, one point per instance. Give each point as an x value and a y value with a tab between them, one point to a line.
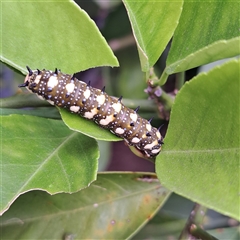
70	87
91	114
107	120
117	107
37	79
149	127
52	82
119	130
101	99
87	93
158	134
155	151
74	108
151	145
144	135
134	116
135	140
51	102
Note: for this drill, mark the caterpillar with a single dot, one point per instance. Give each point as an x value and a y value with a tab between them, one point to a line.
66	91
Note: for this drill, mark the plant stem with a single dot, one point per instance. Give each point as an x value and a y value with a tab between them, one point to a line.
193	228
162	80
167	100
180	79
145	105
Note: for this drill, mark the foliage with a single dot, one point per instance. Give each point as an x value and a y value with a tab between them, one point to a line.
200	156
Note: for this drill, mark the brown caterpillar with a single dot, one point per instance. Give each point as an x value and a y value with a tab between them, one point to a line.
64	90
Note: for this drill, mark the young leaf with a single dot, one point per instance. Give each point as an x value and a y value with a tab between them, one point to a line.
153	25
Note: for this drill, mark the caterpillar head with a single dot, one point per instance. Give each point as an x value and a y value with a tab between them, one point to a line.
148	153
32	79
42	83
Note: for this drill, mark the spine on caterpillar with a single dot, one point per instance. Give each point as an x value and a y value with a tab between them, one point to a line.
63	90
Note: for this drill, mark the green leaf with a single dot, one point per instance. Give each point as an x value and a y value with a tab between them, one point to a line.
87	127
49	35
207	31
23	99
200	156
39	153
153	26
106	209
48	112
